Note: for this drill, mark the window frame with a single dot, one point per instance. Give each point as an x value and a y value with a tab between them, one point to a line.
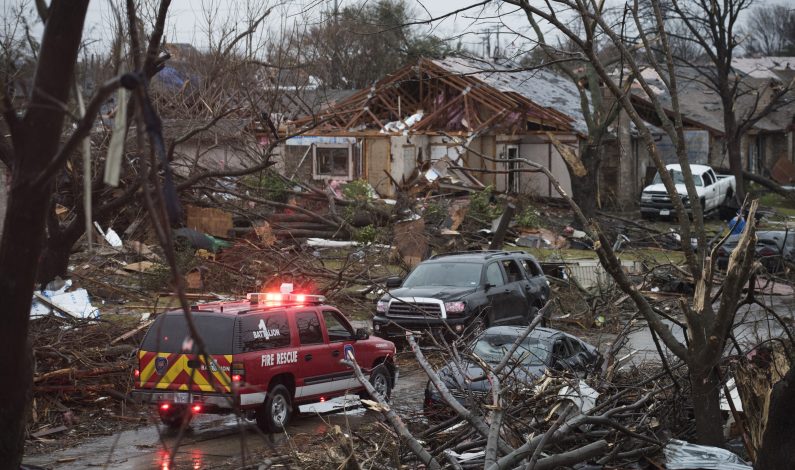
342	321
298	328
499	268
316	164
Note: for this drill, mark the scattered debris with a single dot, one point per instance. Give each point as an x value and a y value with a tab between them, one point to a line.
60	301
681	455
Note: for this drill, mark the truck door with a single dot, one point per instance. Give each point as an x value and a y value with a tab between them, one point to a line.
316	371
341	340
517	304
711	193
496	291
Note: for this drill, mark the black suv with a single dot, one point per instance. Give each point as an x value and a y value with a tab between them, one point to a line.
457	290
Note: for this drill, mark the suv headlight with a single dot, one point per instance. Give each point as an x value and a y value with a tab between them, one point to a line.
645	197
454	307
381	306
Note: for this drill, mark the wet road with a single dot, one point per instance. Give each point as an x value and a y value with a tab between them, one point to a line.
222	441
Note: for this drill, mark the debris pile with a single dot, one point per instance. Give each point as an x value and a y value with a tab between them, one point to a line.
79	366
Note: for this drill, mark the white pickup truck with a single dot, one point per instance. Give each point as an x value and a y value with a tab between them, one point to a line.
713	190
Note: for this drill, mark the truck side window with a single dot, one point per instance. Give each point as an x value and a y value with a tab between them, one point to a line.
708	181
337	329
494	275
531	268
513	271
267	331
309	331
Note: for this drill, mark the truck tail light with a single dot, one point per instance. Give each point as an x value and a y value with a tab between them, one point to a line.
197	408
165	406
137	373
238	372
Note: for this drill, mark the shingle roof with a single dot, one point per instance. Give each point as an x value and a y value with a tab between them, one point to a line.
541	86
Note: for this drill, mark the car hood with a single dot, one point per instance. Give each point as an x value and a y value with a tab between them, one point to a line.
474	378
680	189
444	293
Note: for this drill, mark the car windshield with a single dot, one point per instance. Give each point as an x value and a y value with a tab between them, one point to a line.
445	274
492	348
678	178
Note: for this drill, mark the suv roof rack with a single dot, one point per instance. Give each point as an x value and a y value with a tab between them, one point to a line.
490	253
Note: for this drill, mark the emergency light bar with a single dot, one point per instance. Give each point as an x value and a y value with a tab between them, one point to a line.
278	298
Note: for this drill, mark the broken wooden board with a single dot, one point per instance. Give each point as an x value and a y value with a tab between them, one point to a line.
140	267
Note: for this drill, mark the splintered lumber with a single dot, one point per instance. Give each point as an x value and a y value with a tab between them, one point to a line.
73	373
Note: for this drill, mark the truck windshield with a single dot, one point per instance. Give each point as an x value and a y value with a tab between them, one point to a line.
678	178
445	274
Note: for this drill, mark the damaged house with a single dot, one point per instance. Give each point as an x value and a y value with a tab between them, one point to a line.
767	148
445	120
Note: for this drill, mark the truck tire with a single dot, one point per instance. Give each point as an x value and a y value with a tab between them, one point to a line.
275	413
381	380
175	416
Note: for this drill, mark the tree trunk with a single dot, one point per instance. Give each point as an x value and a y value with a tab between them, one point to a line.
584	188
54	259
705	391
22	240
36	138
778	442
736	166
733	140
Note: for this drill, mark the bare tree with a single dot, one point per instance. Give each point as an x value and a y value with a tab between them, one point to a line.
708	326
714	28
770	30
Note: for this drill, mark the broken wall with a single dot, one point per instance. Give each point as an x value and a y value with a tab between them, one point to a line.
377	161
539	150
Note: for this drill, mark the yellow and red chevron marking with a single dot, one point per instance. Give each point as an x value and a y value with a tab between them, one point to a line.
179	376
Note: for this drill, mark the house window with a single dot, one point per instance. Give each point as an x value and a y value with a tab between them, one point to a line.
332	162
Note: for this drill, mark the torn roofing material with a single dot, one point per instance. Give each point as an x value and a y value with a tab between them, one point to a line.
539	85
457	95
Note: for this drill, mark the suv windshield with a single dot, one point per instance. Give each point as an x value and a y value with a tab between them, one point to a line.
678	178
445	274
492	348
170	331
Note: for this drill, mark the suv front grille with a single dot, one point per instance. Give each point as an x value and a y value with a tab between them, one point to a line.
415	309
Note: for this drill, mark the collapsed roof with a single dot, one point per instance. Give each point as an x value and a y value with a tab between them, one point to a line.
456	95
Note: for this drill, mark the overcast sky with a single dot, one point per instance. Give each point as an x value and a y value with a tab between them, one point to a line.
188	21
188	18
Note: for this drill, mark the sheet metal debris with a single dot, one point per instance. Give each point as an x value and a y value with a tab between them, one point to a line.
681	455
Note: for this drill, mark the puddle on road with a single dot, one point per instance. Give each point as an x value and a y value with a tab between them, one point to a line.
211	441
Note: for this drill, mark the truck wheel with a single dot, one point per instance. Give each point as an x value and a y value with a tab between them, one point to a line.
175	416
275	413
381	382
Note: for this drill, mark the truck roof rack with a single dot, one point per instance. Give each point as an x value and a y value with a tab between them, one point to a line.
490	253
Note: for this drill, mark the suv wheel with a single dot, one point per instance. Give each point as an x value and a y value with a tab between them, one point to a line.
275	413
175	416
381	382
